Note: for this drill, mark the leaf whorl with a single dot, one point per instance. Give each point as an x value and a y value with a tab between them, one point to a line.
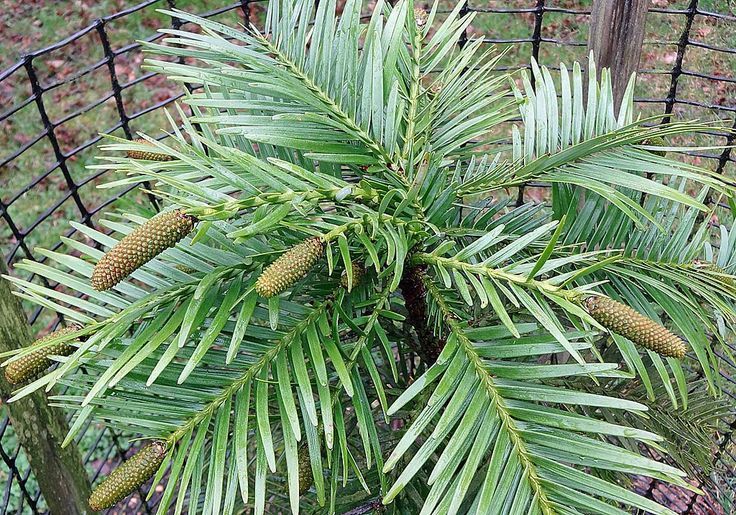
641	330
141	246
36	362
291	266
128	476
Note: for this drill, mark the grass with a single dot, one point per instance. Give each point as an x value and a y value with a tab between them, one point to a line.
46	22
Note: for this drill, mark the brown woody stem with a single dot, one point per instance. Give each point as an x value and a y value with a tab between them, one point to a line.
415	298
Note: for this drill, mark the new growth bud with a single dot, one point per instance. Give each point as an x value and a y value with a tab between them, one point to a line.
420	16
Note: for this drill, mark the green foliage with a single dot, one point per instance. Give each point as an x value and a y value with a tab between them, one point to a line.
690	430
377	142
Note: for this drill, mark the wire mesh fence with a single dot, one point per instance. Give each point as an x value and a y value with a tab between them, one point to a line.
50	122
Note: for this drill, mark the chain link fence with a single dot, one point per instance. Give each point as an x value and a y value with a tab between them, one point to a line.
50	122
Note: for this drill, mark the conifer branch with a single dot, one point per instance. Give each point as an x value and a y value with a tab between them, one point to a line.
374	146
497	400
281	127
249	374
545	287
231	208
414	90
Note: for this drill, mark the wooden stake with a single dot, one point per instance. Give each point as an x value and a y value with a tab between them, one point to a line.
40	428
616	36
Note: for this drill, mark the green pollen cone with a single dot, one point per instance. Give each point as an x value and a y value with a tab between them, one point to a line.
724	276
141	246
36	362
656	141
641	330
127	477
305	471
147	156
293	265
358	273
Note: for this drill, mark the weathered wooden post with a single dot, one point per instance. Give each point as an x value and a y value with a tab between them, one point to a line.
616	36
40	428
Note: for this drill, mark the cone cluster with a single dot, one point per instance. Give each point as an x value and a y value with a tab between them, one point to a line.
36	362
147	156
127	477
140	246
641	330
358	273
293	265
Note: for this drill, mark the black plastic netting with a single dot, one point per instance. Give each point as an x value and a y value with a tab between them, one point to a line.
51	117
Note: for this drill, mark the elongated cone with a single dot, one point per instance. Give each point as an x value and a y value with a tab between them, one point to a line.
725	277
641	330
147	156
293	265
305	470
358	272
186	269
140	246
127	477
36	362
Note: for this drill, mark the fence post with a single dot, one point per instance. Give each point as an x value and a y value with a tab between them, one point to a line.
41	429
616	37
